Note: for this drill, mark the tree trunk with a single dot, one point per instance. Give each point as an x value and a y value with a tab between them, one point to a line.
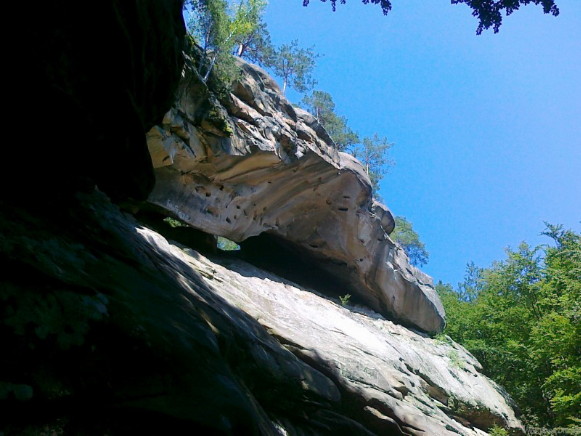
212	63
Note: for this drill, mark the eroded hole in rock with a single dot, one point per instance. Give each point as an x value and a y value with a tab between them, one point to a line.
226	245
176	230
296	264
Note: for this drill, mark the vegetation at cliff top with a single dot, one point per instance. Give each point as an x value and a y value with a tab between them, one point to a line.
521	318
226	29
321	105
371	151
294	65
407	237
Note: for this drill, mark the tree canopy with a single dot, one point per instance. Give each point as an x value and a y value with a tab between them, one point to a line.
522	320
406	236
321	105
294	65
372	153
224	29
219	28
488	12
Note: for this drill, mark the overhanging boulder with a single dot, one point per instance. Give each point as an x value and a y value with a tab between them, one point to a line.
253	163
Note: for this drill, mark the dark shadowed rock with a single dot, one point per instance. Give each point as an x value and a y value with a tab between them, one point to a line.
95	76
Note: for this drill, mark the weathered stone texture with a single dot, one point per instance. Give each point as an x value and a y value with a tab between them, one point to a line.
254	164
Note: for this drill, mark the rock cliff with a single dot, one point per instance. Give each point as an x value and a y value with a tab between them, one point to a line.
253	164
109	328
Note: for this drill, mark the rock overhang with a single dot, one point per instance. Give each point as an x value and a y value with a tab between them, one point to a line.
275	169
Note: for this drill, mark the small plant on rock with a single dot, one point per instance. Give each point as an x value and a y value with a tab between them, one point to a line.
345	299
495	430
455	359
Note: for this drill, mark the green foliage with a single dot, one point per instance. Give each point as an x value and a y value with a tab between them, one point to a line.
372	153
521	319
255	45
294	65
321	105
221	29
455	359
443	339
227	245
345	299
472	284
220	120
489	13
406	236
174	223
385	4
495	430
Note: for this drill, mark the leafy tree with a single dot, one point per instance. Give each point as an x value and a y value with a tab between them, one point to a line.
256	46
488	12
406	236
372	152
522	321
219	28
321	105
294	65
469	289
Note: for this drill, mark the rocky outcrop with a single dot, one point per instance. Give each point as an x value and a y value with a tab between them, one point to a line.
107	328
254	164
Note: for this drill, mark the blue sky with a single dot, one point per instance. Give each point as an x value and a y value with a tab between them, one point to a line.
487	129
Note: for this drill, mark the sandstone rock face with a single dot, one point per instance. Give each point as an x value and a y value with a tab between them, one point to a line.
255	164
127	333
390	376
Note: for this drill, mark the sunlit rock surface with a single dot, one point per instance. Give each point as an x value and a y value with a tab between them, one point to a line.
127	332
252	163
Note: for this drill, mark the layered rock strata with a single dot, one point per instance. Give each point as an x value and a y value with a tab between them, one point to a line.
254	164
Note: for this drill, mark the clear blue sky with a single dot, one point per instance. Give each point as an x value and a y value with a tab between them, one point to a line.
487	128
